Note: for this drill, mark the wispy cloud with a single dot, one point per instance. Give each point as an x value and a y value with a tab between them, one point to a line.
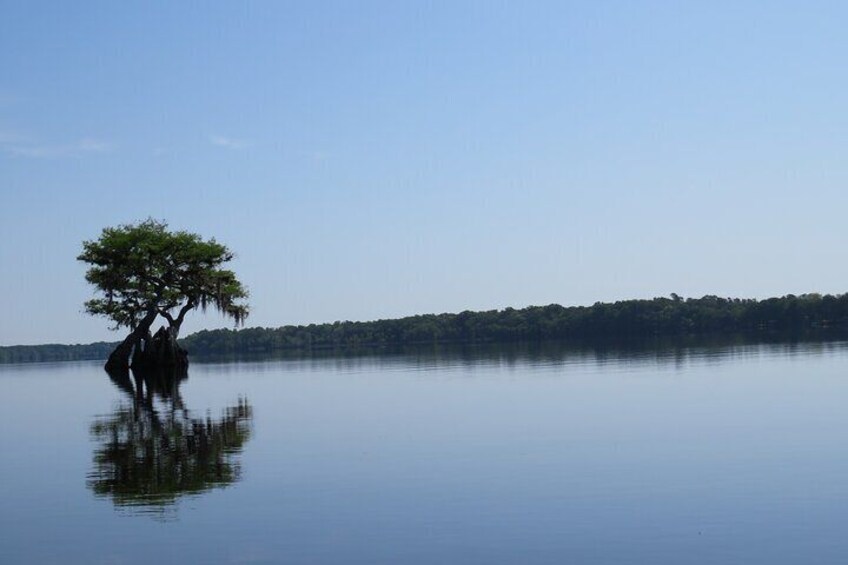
17	145
316	157
8	137
228	142
93	145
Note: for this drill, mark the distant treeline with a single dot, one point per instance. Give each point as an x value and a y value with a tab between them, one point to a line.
659	317
55	352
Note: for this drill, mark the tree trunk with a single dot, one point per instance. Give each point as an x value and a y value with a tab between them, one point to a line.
119	360
161	351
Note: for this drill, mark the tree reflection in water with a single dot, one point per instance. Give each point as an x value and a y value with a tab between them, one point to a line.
151	451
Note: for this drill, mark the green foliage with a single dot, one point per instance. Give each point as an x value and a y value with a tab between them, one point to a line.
661	317
144	267
672	316
55	352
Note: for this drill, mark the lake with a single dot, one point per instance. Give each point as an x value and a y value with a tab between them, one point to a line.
695	454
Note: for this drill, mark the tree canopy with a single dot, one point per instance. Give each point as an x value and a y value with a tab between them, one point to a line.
143	270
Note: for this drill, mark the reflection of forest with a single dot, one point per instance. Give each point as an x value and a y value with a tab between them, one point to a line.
151	450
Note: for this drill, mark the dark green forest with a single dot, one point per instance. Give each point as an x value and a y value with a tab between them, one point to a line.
55	352
626	319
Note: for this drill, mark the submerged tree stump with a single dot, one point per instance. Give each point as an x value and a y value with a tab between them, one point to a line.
160	351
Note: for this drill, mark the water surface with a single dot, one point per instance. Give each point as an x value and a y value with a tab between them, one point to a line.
731	454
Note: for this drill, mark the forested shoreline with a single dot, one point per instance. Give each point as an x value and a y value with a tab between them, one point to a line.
55	352
627	319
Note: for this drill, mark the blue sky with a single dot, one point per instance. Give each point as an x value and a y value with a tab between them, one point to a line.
380	159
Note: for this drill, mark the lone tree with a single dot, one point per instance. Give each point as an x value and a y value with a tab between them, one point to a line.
142	271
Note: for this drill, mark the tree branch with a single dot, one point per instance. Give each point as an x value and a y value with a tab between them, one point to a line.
184	310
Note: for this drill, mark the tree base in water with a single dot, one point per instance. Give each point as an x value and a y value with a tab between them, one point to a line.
160	351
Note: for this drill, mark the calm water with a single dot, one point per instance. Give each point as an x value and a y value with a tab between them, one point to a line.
695	455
